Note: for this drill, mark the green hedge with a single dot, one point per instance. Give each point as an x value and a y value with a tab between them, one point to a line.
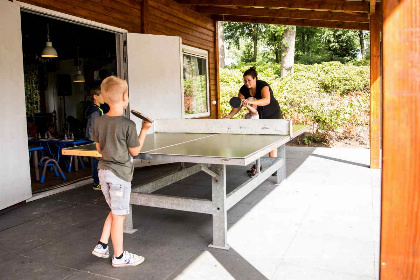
331	97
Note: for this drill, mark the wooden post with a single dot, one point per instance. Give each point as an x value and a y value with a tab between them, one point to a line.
216	57
400	231
375	90
144	16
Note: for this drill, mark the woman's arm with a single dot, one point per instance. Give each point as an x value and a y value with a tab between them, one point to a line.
264	101
251	109
235	110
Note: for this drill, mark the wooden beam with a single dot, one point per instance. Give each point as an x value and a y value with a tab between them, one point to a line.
400	218
145	16
375	90
296	22
285	13
372	6
216	58
328	5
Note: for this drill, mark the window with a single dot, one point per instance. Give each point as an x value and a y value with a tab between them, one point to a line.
195	83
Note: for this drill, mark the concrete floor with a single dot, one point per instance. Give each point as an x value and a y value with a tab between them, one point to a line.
321	223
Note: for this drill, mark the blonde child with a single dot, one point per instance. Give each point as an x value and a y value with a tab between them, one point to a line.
117	140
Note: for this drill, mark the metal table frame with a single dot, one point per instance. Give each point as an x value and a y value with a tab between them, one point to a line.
221	201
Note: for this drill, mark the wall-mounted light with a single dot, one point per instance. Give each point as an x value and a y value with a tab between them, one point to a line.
49	51
78	78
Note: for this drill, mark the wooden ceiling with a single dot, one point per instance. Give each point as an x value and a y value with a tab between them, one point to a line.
315	13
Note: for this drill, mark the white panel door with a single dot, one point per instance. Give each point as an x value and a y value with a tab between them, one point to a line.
154	75
15	181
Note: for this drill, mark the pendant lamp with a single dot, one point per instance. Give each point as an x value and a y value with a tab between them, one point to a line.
78	78
49	51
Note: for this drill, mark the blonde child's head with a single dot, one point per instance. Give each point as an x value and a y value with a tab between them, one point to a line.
115	91
97	98
252	99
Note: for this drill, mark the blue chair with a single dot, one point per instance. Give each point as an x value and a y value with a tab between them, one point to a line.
50	162
68	163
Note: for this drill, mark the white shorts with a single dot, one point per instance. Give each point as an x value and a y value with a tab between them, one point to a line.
116	191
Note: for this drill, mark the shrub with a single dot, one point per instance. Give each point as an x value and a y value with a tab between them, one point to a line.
331	97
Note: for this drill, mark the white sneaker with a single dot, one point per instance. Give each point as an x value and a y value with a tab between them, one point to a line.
100	251
128	259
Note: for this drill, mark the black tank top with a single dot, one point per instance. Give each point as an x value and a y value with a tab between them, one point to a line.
269	110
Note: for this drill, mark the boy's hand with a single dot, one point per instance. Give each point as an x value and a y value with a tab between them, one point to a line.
146	125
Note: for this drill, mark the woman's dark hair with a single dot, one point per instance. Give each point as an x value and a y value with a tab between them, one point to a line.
251	72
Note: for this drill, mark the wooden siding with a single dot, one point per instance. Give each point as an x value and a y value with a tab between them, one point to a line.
119	13
164	17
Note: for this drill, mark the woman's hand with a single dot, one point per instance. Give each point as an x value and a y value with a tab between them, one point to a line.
227	117
247	102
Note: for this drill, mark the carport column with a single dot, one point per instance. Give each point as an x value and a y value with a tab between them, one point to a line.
128	223
219	207
281	173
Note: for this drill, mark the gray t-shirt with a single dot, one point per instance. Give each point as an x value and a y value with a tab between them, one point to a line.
115	135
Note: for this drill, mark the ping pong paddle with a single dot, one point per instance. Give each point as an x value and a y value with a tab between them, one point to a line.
141	116
235	102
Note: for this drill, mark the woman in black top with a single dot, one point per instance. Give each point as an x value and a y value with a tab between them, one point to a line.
268	107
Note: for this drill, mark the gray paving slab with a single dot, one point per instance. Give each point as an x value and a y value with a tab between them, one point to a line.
30	235
72	250
79	275
82	195
81	215
322	223
31	211
18	267
161	261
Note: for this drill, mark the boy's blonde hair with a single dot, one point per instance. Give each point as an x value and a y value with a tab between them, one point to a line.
113	88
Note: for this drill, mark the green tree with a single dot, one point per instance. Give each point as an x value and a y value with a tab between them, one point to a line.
235	31
343	44
273	36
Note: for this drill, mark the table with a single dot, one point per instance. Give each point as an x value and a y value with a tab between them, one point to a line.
34	150
227	142
56	141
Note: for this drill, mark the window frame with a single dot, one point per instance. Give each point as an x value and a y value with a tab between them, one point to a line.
200	53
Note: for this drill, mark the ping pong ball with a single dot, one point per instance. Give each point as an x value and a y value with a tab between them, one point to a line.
214	102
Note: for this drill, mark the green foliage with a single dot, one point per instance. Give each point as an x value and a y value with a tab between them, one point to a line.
195	87
331	97
343	44
32	90
317	45
250	32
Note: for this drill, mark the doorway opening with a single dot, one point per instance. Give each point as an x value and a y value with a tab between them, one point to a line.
57	91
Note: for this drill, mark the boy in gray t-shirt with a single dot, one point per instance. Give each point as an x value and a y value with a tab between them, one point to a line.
117	141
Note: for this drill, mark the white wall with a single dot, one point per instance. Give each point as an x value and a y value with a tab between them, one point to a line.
15	181
154	75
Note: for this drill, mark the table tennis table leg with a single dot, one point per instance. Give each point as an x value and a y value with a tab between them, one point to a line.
281	173
128	222
219	205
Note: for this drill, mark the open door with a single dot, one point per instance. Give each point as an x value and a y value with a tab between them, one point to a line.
15	181
154	75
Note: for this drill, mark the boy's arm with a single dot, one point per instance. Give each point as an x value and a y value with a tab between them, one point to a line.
98	147
134	151
251	109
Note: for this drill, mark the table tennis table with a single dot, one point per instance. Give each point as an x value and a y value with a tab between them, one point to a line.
210	145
